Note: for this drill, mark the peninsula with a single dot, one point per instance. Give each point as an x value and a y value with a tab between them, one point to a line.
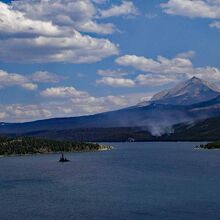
30	145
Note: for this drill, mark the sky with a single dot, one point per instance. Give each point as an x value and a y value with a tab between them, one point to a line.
63	58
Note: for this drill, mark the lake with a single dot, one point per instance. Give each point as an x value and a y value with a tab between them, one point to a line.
155	181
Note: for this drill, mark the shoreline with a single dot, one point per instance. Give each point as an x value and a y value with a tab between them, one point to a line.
203	148
102	148
209	146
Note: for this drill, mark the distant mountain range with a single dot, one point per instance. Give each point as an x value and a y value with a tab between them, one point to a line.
206	130
188	103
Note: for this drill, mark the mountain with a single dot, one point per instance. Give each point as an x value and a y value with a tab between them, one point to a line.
156	117
205	130
190	92
188	103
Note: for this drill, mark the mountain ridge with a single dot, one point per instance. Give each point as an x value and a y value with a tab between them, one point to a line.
157	117
192	91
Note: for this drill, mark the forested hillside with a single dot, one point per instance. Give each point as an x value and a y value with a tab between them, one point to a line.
31	145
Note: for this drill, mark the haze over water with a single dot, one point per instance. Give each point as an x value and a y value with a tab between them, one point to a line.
134	181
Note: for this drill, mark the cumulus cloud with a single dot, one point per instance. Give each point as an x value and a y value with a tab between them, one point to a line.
163	70
28	82
155	80
77	14
91	104
20	113
80	102
14	79
215	24
63	92
161	65
194	9
69	104
29	86
3	115
15	22
76	48
37	31
116	82
187	54
157	72
113	73
45	77
126	8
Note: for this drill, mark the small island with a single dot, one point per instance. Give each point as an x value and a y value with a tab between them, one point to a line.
212	145
30	145
63	159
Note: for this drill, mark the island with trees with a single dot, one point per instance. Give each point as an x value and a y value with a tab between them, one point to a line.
31	145
212	145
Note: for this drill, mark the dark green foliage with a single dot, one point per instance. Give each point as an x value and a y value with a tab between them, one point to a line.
119	134
31	145
206	130
213	145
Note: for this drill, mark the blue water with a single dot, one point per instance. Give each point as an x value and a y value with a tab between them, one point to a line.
158	181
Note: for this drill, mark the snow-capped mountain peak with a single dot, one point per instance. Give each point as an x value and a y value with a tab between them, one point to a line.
189	92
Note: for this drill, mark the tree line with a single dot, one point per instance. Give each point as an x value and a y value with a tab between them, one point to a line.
31	145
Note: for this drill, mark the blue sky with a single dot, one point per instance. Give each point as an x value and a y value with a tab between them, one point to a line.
73	57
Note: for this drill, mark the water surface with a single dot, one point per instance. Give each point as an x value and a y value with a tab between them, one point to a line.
155	181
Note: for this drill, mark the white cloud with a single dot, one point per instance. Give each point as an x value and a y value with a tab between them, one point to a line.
207	73
91	104
126	8
161	65
29	86
77	14
45	77
116	82
3	115
76	102
187	54
113	73
14	22
91	26
194	9
154	80
215	24
63	92
14	79
163	70
33	32
70	105
27	82
20	113
76	48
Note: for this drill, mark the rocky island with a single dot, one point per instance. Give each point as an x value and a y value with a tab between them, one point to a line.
30	145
